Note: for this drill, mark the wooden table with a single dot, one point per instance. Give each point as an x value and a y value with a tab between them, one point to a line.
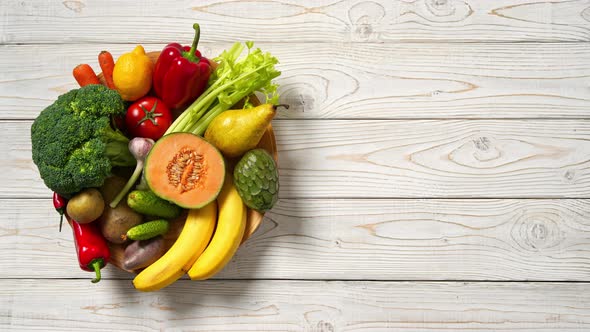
435	167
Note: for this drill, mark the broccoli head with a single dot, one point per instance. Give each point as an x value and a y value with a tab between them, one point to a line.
74	144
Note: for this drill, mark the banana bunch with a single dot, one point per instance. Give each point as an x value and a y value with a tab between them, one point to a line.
210	237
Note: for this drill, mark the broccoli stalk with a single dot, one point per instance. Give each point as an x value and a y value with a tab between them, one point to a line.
117	149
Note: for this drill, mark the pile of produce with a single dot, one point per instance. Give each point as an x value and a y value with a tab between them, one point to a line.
155	144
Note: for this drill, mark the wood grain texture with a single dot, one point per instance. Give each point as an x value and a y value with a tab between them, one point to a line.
377	159
149	21
434	158
294	306
355	240
404	114
379	81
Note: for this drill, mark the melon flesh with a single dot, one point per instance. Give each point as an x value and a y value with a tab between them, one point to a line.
185	169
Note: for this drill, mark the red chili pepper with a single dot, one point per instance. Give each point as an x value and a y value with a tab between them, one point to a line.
181	73
59	203
93	251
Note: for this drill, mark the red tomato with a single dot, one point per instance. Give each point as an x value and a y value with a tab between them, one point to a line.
148	117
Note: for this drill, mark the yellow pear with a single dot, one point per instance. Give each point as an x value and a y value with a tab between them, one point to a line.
235	132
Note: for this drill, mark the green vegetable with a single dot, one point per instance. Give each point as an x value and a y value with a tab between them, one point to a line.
74	145
146	202
147	230
139	148
233	80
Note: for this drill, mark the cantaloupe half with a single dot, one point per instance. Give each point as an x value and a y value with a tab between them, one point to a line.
185	169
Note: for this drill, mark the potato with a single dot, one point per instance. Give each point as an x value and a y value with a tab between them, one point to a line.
86	206
111	188
114	223
140	254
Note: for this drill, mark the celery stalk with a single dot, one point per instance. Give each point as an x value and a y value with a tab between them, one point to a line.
234	79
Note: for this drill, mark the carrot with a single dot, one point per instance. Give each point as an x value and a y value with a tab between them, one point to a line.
84	75
107	64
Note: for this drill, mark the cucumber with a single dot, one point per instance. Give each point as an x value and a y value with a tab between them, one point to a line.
148	230
146	202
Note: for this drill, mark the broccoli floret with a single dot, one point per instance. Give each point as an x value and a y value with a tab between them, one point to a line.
74	145
96	100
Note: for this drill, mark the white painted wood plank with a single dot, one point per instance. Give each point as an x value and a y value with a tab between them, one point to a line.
434	158
372	159
291	20
355	240
382	81
77	305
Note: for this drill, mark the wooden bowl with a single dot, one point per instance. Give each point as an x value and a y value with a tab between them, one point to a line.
267	142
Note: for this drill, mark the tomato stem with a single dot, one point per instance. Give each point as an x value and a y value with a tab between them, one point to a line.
149	115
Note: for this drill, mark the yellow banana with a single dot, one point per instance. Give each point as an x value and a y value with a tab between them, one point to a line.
193	239
228	234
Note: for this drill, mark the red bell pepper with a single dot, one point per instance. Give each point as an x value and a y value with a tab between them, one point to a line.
181	73
59	203
91	246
